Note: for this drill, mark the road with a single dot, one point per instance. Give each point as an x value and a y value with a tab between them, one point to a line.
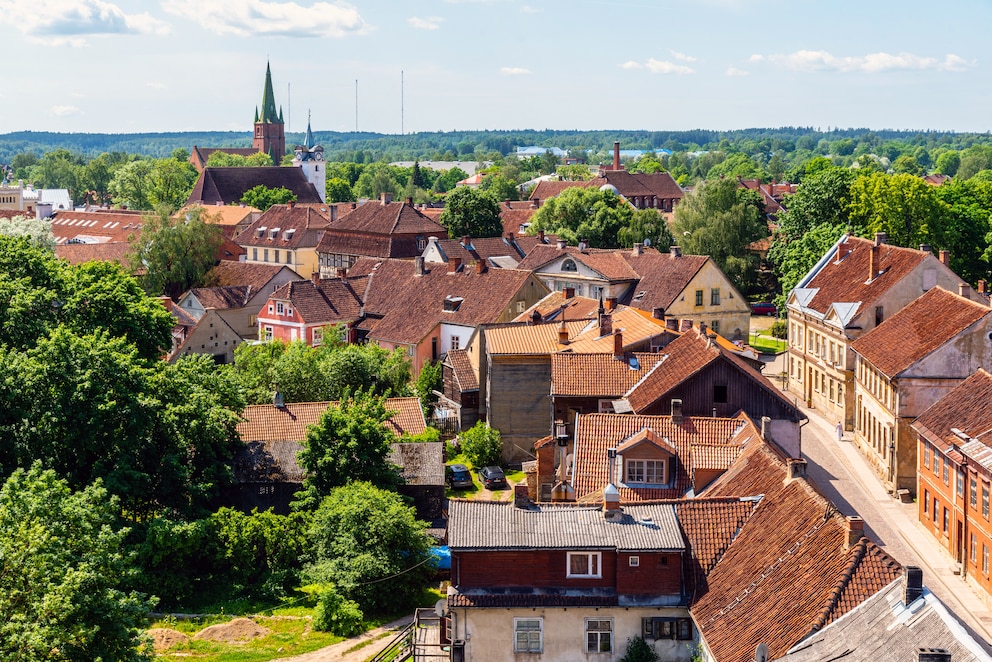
842	476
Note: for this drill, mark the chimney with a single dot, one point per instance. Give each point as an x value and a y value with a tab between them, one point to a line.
766	422
480	267
925	248
466	241
675	251
611	495
914	584
671	322
797	468
409	201
354	205
535	317
385	198
521	498
618	344
933	655
616	155
611	303
983	287
291	204
702	329
342	273
418	265
945	257
677	411
638	250
334	213
855	529
658	313
535	203
873	259
561	244
964	289
568	293
277	401
583	245
562	333
454	264
605	325
843	250
880	238
315	278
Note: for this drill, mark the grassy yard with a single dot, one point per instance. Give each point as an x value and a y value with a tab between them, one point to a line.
512	478
767	344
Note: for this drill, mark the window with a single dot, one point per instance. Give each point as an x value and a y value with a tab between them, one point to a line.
936	464
267	333
634	561
528	635
947	474
599	636
318	336
699	297
455	342
569	265
715	325
960	483
985	558
715	296
421	242
521	306
279	308
276	255
947	521
254	255
926	455
646	471
926	501
973	498
289	257
265	253
666	628
974	549
584	564
720	393
985	500
936	509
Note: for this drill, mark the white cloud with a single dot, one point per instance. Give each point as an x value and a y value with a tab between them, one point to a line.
527	9
63	111
252	18
429	23
682	56
514	71
808	61
734	71
66	22
658	67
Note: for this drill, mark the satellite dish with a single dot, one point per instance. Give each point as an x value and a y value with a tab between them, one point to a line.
761	653
647	242
440	607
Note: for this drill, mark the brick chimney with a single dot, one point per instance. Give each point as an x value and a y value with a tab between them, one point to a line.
964	289
638	250
702	329
854	530
342	273
933	655
535	203
315	278
521	496
880	238
562	333
797	468
843	250
677	411
618	344
983	287
480	267
568	293
540	236
675	251
616	155
611	303
291	204
409	201
873	259
914	584
605	325
418	265
658	313
466	240
454	264
945	257
671	322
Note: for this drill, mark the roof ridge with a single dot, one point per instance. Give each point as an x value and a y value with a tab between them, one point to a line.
857	554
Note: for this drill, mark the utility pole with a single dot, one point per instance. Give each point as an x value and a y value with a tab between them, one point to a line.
356	105
401	102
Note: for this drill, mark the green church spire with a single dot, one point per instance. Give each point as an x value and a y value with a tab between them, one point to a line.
269	114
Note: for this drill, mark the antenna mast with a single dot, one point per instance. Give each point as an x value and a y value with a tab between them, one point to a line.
401	102
356	105
289	105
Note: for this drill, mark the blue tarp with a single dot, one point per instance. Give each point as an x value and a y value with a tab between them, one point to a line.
443	556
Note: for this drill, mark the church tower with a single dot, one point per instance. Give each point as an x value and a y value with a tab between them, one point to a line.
310	157
270	131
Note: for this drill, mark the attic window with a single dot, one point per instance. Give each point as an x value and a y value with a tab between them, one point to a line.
639	295
260	232
569	265
273	233
451	304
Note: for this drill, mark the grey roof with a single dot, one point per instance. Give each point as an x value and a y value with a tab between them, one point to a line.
268	462
883	629
501	525
422	463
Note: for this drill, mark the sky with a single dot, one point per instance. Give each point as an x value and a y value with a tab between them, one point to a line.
127	66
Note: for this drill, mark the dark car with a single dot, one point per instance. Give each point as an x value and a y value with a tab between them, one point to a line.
764	308
458	476
492	477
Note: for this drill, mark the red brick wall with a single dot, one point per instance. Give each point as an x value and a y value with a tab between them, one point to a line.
539	568
655	573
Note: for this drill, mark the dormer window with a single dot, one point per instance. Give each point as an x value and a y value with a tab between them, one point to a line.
260	232
451	304
569	265
645	471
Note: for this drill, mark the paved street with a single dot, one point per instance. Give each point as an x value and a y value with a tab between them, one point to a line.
842	476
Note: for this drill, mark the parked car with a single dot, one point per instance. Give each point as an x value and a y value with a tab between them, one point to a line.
458	476
764	308
492	477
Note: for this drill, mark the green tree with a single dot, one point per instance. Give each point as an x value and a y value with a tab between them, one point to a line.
501	187
584	213
428	381
907	165
446	180
37	231
60	168
171	183
482	445
175	252
948	163
349	443
472	212
903	206
95	180
363	535
262	197
793	259
375	180
61	566
720	219
338	190
225	160
822	199
131	185
646	226
574	173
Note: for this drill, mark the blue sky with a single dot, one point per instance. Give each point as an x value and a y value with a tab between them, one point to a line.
178	65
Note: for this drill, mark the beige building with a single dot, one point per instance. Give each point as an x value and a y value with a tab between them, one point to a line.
286	235
905	365
857	285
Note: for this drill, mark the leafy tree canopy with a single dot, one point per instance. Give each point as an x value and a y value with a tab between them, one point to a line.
262	197
597	215
471	212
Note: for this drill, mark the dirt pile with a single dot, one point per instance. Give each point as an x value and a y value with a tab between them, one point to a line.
166	638
238	631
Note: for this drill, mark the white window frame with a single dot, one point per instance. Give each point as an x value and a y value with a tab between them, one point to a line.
634	561
605	406
280	309
592	559
318	336
596	645
529	646
641	466
267	333
456	342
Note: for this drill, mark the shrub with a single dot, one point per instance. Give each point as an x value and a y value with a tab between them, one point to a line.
780	329
481	445
639	650
337	615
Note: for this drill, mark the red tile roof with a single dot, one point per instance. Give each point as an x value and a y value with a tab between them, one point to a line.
967	408
462	368
710	525
607	262
222	298
598	375
254	275
268	423
374	217
595	433
847	281
329	300
933	319
487	247
96	227
662	277
787	572
628	184
549	307
285	226
79	253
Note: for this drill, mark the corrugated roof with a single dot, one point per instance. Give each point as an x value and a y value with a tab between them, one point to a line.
920	328
501	525
422	463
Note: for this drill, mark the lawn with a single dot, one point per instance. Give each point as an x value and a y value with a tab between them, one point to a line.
767	344
512	478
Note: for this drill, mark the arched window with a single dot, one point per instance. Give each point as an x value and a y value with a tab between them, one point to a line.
569	265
